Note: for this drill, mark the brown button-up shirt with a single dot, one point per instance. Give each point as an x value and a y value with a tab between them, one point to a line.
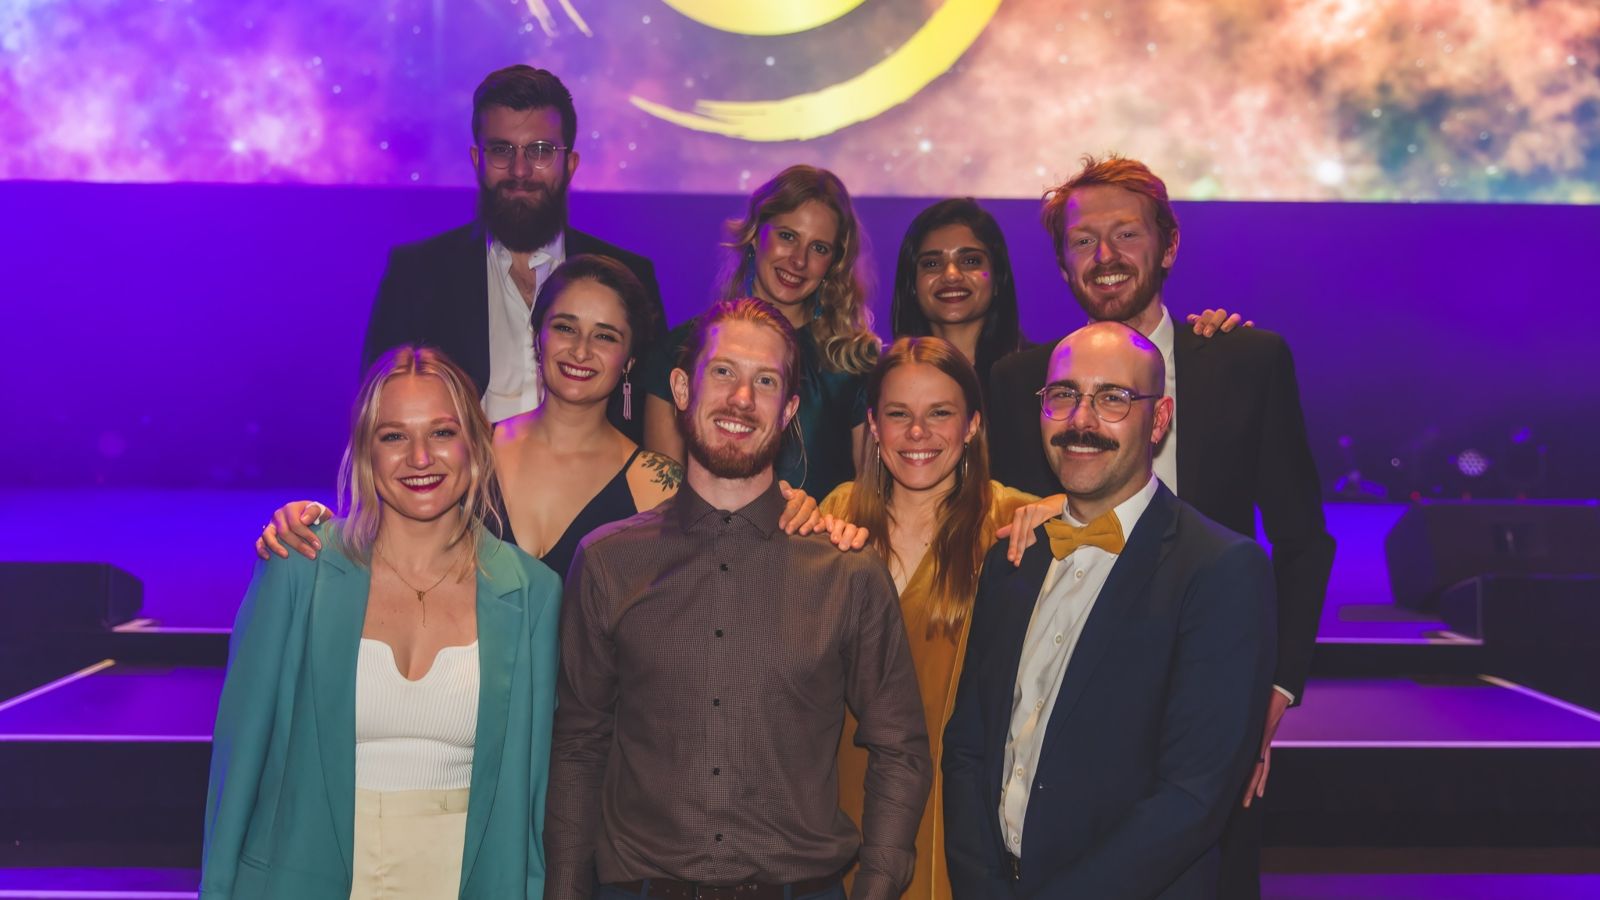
706	662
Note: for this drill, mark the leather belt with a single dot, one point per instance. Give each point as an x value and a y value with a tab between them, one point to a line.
667	889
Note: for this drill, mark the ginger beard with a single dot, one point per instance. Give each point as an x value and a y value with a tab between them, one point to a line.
719	457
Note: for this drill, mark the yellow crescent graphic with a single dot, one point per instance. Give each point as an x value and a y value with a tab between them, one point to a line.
765	19
929	53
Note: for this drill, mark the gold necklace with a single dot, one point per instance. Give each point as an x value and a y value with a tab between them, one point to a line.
421	592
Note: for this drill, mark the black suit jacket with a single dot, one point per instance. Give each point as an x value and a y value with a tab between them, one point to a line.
1155	724
436	292
1242	445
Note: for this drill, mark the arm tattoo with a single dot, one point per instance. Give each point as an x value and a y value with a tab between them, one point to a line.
665	471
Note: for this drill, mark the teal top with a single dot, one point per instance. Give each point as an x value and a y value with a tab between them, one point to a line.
831	404
280	812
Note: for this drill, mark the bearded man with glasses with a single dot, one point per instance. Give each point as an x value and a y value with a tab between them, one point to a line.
469	290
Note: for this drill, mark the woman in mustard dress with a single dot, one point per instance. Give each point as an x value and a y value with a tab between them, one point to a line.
926	499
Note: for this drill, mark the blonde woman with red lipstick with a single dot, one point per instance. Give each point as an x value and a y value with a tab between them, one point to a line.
797	248
925	498
384	728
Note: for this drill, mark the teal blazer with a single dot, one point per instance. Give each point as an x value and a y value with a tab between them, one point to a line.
280	813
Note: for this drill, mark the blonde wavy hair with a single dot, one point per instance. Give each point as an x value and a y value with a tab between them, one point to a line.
361	508
841	323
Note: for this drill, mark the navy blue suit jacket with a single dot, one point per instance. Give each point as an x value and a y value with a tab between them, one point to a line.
436	292
1156	722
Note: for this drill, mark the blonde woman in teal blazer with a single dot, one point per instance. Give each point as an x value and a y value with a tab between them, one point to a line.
280	816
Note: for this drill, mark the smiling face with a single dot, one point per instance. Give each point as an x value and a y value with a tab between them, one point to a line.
523	207
421	463
1101	463
583	344
1112	253
733	414
954	278
793	251
922	426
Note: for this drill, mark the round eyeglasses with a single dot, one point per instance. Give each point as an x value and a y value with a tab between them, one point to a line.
539	154
1112	404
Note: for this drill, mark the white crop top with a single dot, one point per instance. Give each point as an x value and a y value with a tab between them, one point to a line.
415	735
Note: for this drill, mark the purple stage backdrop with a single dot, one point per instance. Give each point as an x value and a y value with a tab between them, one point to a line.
207	335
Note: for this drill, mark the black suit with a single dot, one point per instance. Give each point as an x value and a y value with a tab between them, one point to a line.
1155	724
1242	446
436	292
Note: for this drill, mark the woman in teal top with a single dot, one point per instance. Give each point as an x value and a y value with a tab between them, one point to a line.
330	778
795	248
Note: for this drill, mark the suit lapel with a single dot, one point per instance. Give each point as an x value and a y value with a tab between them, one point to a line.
471	310
500	639
1190	357
1135	566
337	614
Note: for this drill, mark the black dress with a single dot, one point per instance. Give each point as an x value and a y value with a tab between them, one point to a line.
614	503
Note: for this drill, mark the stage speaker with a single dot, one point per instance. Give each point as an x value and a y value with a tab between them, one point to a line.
1439	544
63	598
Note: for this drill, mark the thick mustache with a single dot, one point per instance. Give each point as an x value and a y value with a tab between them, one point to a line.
506	187
1083	439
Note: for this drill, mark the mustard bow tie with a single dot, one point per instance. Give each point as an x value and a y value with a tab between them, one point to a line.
1104	532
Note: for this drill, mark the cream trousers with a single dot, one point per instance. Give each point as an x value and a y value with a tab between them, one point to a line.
408	844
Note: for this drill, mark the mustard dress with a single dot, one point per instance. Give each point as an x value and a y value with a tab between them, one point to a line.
938	663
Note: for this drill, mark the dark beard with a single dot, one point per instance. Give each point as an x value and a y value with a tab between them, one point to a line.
727	462
523	226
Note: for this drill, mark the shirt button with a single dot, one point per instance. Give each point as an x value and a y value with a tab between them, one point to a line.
719	838
726	520
719	632
1059	639
1016	839
716	701
1078	574
716	770
1019	771
722	566
1038	704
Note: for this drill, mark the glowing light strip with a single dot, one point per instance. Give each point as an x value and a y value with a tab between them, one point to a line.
1436	745
1558	703
101	894
43	689
104	738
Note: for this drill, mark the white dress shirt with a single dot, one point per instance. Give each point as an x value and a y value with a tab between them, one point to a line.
1071	586
513	371
1166	462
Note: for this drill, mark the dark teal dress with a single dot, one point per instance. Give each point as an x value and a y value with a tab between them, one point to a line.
831	404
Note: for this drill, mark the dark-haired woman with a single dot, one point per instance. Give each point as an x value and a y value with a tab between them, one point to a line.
564	469
953	281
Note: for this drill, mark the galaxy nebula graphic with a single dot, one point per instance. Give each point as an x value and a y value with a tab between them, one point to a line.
1384	100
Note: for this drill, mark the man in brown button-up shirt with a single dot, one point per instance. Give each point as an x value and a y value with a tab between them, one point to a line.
707	659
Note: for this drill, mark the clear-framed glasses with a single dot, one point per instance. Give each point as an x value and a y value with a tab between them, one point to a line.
1112	404
539	154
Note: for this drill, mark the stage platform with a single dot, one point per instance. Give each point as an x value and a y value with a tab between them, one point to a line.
1406	740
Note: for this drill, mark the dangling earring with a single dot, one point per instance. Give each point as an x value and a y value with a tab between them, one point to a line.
627	394
964	448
